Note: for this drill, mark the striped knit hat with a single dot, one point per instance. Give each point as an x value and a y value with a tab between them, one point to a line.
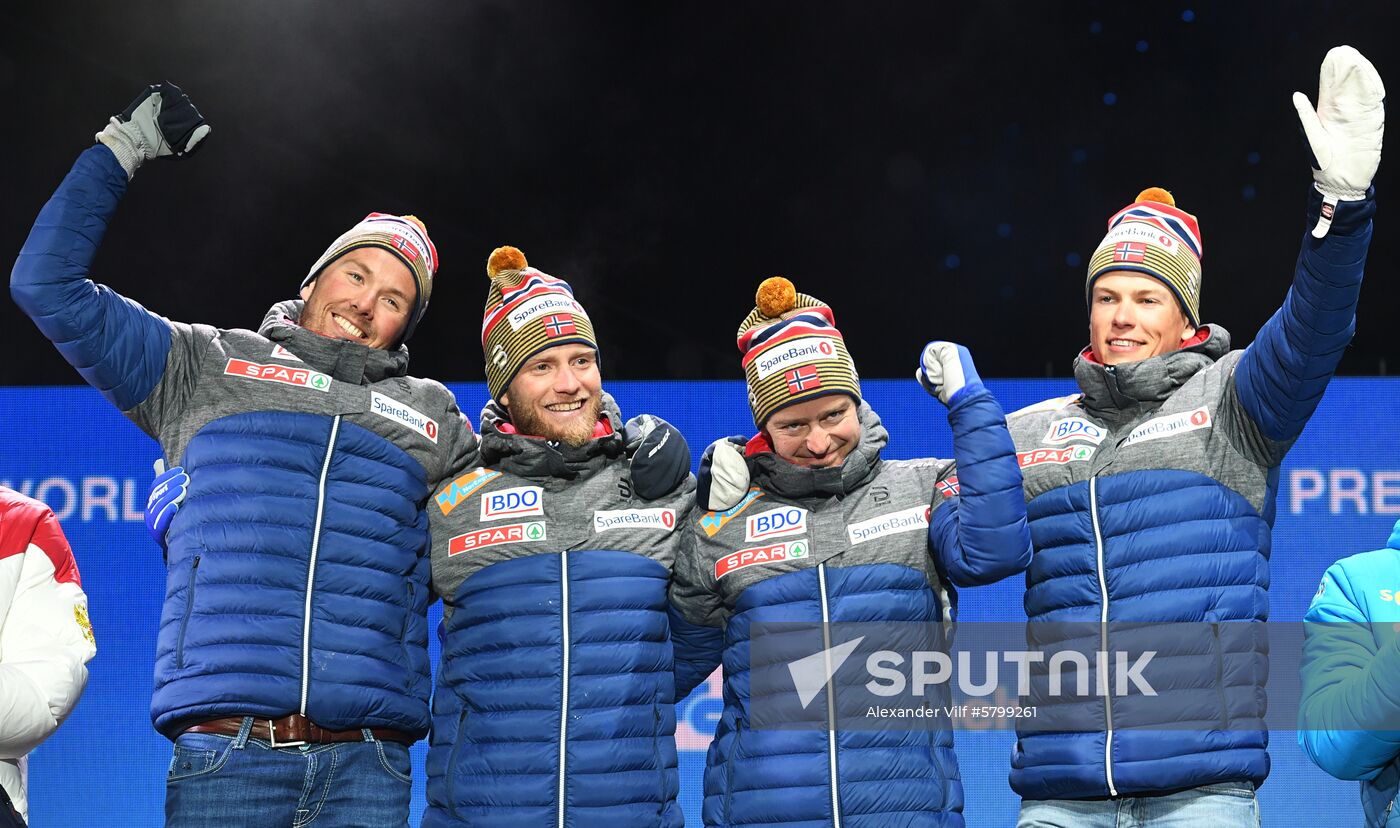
1153	237
792	351
404	236
526	312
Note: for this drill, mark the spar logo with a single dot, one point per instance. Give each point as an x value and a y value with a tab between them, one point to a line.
523	501
283	374
1170	425
1054	457
495	536
1074	428
389	408
793	352
663	519
712	522
892	523
463	487
777	553
775	523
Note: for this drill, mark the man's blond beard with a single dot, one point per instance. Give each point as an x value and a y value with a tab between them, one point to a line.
526	422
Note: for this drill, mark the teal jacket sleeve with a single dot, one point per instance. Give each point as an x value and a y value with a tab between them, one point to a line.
1349	718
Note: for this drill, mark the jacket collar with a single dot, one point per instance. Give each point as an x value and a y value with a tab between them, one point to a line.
535	457
796	482
1113	388
344	360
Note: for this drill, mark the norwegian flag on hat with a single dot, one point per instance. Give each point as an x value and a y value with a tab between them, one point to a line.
559	324
802	379
1129	251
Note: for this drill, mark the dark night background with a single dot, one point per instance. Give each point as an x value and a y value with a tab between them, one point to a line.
932	170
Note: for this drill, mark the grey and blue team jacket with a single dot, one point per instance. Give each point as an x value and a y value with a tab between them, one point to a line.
555	697
298	565
871	541
1151	500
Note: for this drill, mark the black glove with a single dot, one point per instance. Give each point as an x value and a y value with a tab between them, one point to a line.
660	456
161	123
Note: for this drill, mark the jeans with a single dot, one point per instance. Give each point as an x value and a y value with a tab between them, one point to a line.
236	782
1225	804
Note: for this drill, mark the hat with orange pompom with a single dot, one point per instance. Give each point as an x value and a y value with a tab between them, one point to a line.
404	236
1154	237
792	350
527	311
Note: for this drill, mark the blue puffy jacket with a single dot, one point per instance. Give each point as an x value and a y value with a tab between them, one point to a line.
555	703
1151	499
1349	721
871	541
298	565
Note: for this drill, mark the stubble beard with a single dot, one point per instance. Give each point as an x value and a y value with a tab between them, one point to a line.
529	421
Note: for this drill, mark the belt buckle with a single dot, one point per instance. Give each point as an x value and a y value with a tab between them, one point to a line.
272	737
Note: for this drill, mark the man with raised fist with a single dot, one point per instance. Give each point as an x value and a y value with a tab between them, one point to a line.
292	666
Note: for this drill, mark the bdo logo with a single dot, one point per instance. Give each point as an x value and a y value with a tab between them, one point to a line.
522	501
776	523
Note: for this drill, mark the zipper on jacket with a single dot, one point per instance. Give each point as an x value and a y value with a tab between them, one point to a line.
311	565
564	679
185	622
1103	637
830	701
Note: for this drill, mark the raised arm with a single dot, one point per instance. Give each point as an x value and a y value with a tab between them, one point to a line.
119	348
979	535
1282	375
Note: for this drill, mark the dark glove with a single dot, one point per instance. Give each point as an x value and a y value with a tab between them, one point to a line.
161	123
660	456
168	491
724	475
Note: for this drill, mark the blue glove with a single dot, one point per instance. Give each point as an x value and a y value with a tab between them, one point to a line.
724	475
168	491
946	368
660	456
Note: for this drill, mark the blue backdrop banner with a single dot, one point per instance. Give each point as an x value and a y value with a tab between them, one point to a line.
1339	493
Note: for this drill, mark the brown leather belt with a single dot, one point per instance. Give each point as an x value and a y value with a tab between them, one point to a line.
294	730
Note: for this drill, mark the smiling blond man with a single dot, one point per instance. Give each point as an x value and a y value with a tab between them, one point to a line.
555	699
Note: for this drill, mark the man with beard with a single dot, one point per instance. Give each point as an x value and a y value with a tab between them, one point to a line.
554	702
292	657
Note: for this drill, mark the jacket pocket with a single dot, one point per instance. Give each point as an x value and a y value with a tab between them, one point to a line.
657	753
450	784
729	763
1218	645
185	621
